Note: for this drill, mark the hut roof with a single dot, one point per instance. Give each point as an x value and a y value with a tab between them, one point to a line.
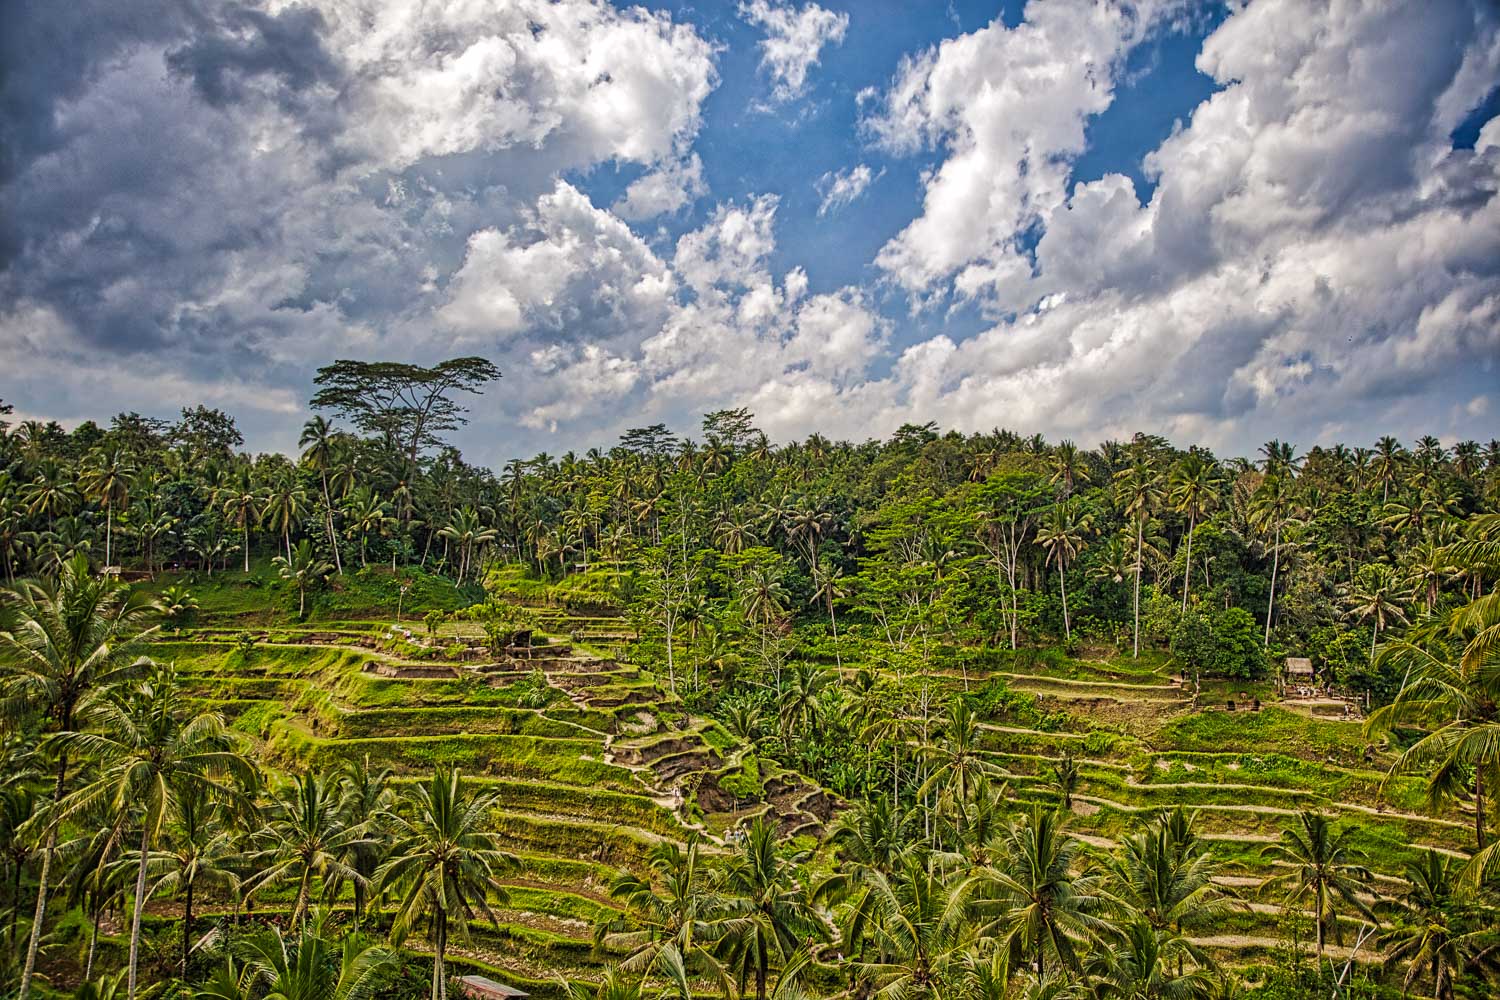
1299	665
484	988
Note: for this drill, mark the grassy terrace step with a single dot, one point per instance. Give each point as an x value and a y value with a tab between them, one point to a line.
578	839
450	720
593	804
1090	688
567	761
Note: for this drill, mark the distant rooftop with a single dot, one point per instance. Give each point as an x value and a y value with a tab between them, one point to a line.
1299	665
484	988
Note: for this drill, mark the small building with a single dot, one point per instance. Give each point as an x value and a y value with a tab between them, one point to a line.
485	988
1298	670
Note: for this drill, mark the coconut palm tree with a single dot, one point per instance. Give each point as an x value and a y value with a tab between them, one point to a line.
1062	538
240	503
1451	689
69	642
1143	962
1324	870
306	838
318	452
917	930
366	800
767	911
1032	895
285	503
674	929
309	966
106	479
1138	491
1273	508
202	851
958	765
148	753
1428	933
1193	489
1165	876
829	586
443	863
367	516
304	570
1377	595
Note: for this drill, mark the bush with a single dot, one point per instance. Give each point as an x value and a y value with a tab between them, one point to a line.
1224	644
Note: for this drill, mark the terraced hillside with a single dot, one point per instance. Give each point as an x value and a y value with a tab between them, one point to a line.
1246	771
593	760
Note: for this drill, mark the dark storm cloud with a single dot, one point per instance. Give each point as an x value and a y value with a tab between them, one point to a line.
245	45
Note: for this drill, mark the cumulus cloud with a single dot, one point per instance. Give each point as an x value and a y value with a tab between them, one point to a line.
210	206
842	187
794	41
668	188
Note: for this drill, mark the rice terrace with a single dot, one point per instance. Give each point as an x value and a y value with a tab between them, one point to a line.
781	668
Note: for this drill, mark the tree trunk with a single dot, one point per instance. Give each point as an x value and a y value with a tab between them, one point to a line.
1271	602
1478	809
187	927
1062	580
1187	573
333	539
247	544
1140	530
139	905
109	531
41	889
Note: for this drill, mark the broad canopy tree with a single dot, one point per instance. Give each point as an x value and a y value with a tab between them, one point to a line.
408	404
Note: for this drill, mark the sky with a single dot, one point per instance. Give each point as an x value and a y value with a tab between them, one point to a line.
1219	222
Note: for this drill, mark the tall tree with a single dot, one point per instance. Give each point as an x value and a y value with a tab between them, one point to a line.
70	642
1324	869
409	404
443	864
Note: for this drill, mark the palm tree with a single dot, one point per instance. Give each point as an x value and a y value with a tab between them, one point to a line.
1065	775
1062	539
1031	894
1165	876
317	444
469	532
148	754
241	505
443	862
958	765
1272	509
767	910
200	852
611	987
310	966
1193	489
1377	594
366	803
1389	457
306	838
1137	491
1325	870
283	509
1068	468
1451	689
51	493
829	586
69	642
917	929
304	570
1143	962
367	516
673	930
107	479
1427	934
799	702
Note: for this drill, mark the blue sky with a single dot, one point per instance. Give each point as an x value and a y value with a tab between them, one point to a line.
1219	222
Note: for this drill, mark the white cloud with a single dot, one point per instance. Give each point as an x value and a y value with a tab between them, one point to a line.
841	188
534	275
794	40
1009	106
671	186
578	79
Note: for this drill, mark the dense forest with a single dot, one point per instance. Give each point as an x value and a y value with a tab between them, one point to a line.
865	619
